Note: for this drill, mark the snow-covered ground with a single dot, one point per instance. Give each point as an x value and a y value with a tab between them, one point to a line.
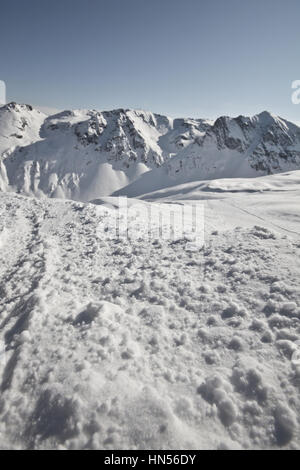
117	343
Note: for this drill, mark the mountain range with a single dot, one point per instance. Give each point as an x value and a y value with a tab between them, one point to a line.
86	154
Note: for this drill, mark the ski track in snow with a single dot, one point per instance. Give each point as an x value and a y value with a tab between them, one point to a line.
264	220
116	343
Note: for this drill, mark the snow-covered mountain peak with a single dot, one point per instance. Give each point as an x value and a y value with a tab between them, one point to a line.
19	125
86	154
266	116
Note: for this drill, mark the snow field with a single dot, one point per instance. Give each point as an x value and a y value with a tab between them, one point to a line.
125	343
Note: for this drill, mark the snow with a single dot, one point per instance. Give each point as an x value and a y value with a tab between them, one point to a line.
138	343
168	320
89	154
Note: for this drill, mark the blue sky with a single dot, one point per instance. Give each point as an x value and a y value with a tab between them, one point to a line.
183	58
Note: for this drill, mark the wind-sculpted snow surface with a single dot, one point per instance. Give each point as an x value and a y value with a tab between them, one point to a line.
111	343
87	154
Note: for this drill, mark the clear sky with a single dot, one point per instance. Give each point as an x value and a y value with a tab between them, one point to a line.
199	58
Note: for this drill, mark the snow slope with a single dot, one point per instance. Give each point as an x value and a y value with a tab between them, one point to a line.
289	181
19	126
87	154
139	343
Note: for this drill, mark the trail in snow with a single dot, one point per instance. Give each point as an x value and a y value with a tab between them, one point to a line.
115	343
266	221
